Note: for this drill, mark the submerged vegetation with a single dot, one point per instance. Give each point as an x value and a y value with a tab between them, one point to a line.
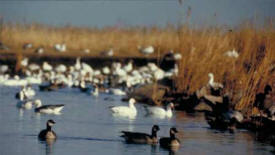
203	51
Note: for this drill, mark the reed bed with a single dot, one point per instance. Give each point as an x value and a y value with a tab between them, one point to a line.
203	51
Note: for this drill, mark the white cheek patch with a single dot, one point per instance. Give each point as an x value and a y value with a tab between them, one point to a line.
51	124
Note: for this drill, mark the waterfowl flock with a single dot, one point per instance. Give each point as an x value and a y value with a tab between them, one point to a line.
118	79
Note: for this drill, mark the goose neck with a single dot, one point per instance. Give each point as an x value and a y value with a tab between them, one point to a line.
49	128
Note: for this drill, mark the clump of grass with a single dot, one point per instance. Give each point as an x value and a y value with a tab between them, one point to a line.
202	51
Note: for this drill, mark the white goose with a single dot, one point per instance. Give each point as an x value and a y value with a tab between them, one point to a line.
48	109
160	112
26	104
125	111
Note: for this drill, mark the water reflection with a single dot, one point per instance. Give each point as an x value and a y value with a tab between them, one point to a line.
49	143
95	130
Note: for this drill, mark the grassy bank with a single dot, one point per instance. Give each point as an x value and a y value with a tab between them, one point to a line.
202	50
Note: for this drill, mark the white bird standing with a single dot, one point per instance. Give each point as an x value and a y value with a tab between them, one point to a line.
126	111
160	112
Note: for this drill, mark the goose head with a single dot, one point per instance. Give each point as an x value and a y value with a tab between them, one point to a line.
170	106
173	131
155	128
132	101
50	123
38	103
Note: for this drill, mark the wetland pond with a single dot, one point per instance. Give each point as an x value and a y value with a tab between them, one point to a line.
86	126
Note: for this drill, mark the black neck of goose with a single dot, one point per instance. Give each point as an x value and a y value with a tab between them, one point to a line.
172	136
154	133
49	128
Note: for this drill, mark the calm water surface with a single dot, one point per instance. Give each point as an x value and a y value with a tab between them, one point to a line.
87	127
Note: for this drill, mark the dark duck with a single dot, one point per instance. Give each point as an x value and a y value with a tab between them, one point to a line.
141	138
170	142
48	133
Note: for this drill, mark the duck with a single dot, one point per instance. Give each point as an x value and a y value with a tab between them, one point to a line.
48	109
48	133
160	112
128	111
141	138
170	142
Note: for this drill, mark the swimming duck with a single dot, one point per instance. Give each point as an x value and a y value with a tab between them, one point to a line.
141	138
170	142
47	133
160	112
48	109
128	111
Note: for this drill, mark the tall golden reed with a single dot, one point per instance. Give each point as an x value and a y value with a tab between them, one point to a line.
202	51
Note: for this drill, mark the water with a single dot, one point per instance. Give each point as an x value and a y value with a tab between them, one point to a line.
87	127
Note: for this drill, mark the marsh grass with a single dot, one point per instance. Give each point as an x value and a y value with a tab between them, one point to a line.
202	51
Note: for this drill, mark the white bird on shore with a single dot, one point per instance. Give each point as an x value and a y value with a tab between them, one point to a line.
212	83
46	66
126	111
60	47
77	65
106	70
27	46
34	67
39	50
160	112
4	68
25	62
61	68
109	52
147	50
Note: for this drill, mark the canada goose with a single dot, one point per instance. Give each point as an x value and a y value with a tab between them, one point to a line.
160	112
141	138
170	142
128	111
48	109
47	133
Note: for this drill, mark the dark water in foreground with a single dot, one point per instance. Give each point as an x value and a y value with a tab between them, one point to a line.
87	127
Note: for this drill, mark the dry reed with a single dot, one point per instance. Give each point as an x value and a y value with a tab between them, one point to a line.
202	51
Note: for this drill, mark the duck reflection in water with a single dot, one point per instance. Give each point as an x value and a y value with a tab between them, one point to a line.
48	136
